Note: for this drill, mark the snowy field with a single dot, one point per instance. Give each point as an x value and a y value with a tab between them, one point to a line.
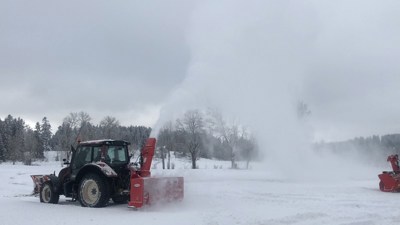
213	197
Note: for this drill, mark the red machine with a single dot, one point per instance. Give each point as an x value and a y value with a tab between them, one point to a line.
390	180
149	190
100	170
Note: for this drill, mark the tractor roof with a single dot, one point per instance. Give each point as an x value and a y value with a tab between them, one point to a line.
104	142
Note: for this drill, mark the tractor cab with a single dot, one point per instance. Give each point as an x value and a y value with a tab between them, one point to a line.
114	153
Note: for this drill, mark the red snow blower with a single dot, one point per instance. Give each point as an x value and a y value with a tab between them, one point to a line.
390	180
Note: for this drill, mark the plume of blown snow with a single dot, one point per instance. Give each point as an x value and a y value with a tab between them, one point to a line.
249	59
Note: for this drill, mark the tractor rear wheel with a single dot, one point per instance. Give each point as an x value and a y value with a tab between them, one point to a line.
94	191
47	193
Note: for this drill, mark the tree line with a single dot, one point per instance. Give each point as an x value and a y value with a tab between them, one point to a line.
372	149
19	142
207	135
78	127
195	135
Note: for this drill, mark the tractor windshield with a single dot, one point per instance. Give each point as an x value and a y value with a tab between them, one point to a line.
117	155
82	156
112	154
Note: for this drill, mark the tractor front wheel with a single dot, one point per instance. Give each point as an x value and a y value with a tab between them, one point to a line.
94	191
47	193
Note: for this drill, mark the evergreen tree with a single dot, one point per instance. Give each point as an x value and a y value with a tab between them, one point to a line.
46	134
30	146
2	150
37	145
17	141
2	147
7	134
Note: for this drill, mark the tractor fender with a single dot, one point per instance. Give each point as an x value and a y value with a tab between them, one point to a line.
100	168
55	181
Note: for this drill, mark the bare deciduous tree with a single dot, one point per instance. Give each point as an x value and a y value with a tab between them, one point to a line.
302	110
72	120
229	134
192	128
79	122
166	141
109	126
248	146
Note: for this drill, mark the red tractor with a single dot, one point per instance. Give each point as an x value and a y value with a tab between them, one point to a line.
390	180
101	169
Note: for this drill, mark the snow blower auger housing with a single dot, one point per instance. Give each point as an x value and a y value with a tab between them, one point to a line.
390	180
101	169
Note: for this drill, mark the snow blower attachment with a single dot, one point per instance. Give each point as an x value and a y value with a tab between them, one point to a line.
390	180
100	170
149	190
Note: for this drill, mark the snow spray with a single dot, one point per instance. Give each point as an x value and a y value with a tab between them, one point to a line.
249	60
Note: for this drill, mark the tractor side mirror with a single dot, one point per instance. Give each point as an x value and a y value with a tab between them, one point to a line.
65	162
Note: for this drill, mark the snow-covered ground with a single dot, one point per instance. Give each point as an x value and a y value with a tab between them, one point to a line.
214	195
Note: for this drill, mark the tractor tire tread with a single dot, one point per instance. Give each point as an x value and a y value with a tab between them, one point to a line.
104	190
54	197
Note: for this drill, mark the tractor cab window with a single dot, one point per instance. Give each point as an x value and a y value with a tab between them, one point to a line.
83	156
96	154
116	154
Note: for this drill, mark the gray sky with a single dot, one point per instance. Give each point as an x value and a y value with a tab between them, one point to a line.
127	58
105	58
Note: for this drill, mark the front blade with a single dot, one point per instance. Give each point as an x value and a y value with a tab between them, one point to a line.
38	180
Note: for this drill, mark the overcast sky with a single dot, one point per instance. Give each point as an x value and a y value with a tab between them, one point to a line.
127	58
